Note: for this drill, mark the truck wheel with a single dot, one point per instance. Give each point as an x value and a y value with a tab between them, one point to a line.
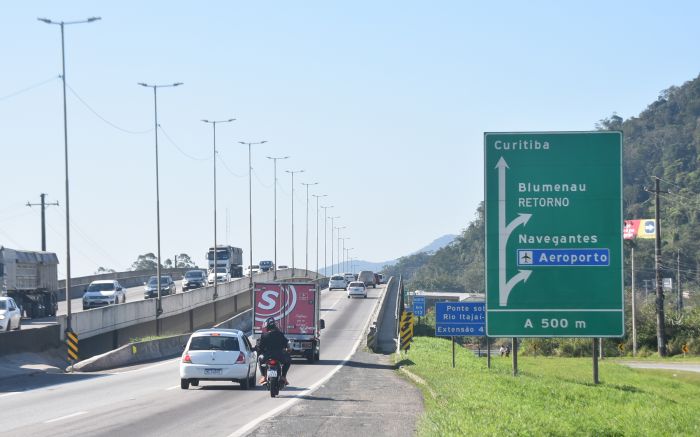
184	384
194	382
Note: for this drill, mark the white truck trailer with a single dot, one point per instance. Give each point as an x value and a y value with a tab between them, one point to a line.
31	279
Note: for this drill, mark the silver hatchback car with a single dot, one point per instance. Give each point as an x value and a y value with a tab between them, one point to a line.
218	355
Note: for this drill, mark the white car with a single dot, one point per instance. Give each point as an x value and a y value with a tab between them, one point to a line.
102	293
222	275
337	281
10	314
218	355
349	277
357	288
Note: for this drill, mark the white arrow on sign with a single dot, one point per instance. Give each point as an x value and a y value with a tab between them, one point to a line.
504	231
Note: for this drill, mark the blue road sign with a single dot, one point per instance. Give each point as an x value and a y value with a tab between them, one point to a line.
564	257
419	306
460	319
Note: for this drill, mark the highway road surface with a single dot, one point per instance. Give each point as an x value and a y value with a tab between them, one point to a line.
148	400
132	294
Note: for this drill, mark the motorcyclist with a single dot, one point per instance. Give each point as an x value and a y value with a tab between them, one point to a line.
273	344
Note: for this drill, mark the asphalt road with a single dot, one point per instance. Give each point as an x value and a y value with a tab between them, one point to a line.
684	367
147	399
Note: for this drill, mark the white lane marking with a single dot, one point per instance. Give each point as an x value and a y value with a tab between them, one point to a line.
10	394
172	388
255	422
144	368
79	413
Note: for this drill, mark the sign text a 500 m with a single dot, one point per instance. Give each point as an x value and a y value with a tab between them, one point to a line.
554	234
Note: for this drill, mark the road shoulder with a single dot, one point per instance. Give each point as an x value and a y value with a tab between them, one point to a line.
365	397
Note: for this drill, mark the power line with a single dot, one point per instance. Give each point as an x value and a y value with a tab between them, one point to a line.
29	88
170	140
228	169
80	99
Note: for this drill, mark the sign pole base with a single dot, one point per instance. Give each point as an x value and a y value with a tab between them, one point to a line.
595	361
515	356
488	353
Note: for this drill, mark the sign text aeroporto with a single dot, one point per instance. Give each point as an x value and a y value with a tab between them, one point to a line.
554	234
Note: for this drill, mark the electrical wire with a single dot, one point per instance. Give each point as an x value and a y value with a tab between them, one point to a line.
128	131
170	140
29	88
228	169
260	180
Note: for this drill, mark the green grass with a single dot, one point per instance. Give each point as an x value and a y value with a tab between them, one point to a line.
551	396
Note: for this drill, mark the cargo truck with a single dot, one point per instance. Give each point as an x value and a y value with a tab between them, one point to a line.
31	279
296	308
227	256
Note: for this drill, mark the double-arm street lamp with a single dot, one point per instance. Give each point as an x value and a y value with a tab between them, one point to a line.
325	239
333	242
317	196
291	172
213	124
339	228
250	206
307	185
159	308
275	159
62	24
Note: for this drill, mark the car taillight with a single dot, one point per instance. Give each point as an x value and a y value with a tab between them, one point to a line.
273	362
241	358
186	359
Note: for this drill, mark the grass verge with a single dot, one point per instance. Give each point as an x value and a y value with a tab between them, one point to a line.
551	396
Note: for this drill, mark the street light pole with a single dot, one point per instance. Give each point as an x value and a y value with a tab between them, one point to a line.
343	262
159	308
333	242
325	239
213	124
62	24
347	258
317	196
250	207
307	185
291	172
274	159
339	264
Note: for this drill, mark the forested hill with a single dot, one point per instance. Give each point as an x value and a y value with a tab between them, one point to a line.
664	142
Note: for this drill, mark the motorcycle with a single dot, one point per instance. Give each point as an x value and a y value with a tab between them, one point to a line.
274	376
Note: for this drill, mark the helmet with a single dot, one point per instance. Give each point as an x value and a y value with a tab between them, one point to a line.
270	324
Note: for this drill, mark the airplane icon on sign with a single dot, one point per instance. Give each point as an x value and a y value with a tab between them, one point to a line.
525	257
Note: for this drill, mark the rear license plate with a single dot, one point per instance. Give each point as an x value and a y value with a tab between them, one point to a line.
212	371
271	373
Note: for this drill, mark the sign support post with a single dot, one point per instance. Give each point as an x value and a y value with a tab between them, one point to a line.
515	356
488	352
595	361
453	352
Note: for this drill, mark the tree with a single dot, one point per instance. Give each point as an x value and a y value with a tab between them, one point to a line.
185	262
101	270
147	261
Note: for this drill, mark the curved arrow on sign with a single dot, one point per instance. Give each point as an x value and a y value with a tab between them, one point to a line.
504	231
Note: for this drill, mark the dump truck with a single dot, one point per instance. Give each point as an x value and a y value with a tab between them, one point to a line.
31	279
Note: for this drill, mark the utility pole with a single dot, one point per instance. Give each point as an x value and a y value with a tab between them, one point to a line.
678	280
43	205
660	318
325	239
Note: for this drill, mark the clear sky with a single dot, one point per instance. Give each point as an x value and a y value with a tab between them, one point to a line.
384	104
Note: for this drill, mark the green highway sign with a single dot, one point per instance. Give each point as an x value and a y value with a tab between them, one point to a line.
554	234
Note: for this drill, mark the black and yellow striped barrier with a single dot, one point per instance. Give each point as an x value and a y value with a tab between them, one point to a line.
406	330
72	343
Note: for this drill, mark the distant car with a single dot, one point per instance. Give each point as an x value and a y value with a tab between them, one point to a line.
337	281
367	277
349	277
194	279
266	266
254	268
218	355
381	279
357	288
222	275
167	287
101	293
377	279
10	314
282	267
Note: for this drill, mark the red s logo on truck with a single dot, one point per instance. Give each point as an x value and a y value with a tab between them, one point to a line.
274	300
